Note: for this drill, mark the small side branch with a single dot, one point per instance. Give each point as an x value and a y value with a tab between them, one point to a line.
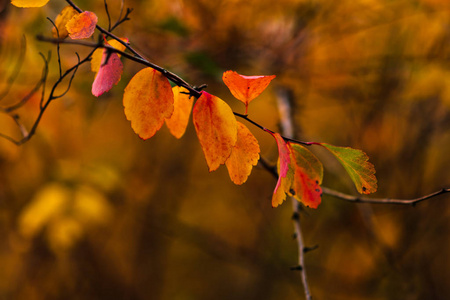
358	199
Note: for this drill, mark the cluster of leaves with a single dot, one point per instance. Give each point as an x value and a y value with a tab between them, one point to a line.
150	101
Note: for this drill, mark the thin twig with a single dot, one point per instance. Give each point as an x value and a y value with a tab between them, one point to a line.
272	169
359	199
287	126
57	46
107	14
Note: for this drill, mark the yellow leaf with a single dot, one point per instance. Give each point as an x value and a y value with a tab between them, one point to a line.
216	129
97	56
244	156
182	106
29	3
148	100
50	202
61	20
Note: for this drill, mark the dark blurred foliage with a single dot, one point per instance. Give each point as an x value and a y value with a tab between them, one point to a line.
90	211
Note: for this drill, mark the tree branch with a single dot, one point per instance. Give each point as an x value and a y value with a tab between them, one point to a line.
287	126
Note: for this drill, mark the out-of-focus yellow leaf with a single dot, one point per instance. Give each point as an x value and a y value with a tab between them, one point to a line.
216	129
148	101
244	156
48	203
63	233
82	26
61	20
182	106
29	3
90	206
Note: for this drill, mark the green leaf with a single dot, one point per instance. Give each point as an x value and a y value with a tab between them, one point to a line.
357	165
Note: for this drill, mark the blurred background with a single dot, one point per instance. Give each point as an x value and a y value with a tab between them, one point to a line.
90	211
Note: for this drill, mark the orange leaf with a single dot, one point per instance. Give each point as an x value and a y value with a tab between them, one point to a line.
29	3
97	56
61	20
82	26
148	100
108	75
308	174
182	106
216	129
244	156
246	88
284	179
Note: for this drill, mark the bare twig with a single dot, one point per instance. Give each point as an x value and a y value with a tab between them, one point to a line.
359	199
287	126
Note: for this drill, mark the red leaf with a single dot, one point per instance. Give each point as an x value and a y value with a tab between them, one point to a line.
108	75
284	181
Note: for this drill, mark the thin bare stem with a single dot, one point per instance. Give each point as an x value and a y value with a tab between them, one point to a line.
107	14
57	46
359	199
287	126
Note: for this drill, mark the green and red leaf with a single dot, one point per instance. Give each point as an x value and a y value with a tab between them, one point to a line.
216	129
357	165
148	101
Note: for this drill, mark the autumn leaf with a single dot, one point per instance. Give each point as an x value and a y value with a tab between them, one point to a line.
216	129
308	174
97	56
246	88
182	106
356	163
29	3
82	26
244	156
284	179
61	20
148	100
109	73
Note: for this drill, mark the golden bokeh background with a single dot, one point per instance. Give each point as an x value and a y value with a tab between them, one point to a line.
90	211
